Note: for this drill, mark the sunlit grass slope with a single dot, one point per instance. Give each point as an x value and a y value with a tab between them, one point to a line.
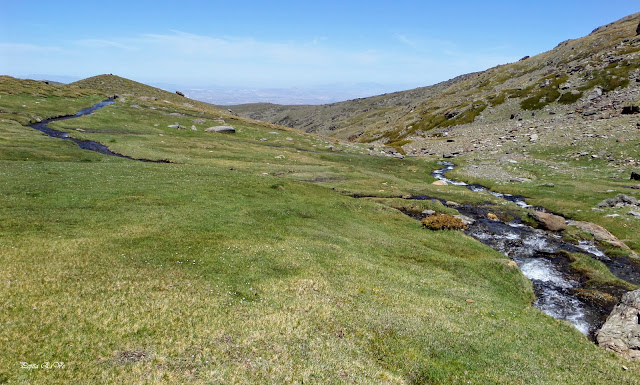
244	261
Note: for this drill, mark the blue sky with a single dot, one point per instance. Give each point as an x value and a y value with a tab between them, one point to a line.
398	44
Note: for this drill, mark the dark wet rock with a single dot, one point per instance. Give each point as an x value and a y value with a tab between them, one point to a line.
549	221
621	200
635	175
621	333
179	93
221	129
451	114
638	30
628	110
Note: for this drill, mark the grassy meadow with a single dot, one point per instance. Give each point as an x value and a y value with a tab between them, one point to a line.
246	261
572	185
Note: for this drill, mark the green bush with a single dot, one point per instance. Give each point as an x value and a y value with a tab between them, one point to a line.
443	222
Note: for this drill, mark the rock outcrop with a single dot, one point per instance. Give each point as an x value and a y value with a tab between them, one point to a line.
621	333
621	200
549	221
221	129
600	233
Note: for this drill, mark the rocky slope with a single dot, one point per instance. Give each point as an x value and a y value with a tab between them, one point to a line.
597	76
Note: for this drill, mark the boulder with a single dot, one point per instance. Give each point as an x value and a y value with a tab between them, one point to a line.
440	183
549	221
621	200
635	175
428	212
452	204
621	333
179	127
638	30
221	129
179	93
492	216
599	233
465	219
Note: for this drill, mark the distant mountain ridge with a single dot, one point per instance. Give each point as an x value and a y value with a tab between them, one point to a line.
585	74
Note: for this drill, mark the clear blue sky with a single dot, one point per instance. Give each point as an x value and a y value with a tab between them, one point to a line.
297	43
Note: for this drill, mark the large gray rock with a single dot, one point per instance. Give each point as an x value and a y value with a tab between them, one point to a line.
549	221
621	200
221	129
621	333
600	233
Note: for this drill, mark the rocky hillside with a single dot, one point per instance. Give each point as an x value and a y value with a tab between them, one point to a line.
591	77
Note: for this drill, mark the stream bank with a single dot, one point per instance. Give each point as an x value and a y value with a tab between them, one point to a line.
545	258
90	145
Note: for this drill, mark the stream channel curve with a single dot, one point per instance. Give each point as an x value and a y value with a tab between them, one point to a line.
538	255
90	145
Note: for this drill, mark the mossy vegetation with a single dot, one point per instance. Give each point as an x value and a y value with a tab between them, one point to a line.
544	93
441	221
615	75
569	97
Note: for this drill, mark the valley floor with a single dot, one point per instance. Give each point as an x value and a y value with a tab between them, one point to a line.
247	261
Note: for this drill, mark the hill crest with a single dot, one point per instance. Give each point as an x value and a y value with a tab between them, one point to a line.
578	75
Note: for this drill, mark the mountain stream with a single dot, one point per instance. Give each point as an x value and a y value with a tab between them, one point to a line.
90	145
539	256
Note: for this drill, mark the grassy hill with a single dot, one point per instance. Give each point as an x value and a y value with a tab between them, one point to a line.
559	81
247	260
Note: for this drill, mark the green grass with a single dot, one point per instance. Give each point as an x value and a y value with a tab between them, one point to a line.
580	183
615	75
203	272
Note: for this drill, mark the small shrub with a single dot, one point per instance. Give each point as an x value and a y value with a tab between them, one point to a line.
443	222
568	98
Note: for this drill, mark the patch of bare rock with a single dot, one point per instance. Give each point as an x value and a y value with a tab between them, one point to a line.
221	129
599	233
621	332
549	221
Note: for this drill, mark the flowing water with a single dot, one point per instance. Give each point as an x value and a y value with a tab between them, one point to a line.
85	144
539	256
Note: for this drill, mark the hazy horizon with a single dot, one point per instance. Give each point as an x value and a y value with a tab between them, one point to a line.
287	52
